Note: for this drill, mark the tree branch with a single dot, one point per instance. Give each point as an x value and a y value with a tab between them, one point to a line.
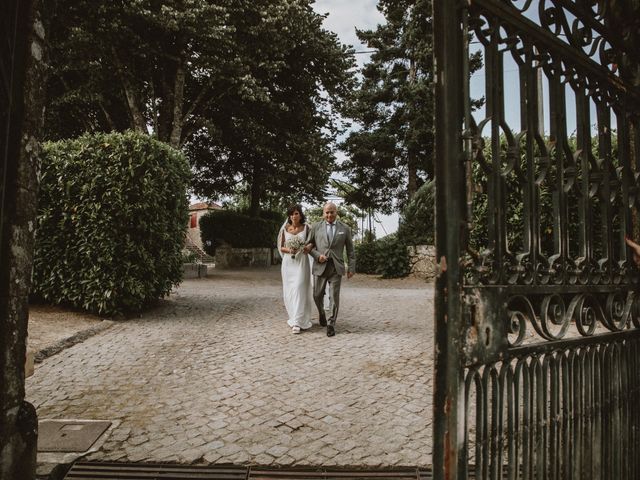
139	123
196	103
112	125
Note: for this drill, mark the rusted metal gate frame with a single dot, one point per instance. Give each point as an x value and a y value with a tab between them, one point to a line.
568	379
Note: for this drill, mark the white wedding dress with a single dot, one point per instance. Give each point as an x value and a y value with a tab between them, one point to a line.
296	286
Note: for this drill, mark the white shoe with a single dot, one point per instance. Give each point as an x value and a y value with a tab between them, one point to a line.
295	329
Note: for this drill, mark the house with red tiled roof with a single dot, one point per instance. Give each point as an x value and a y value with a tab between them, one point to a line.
196	211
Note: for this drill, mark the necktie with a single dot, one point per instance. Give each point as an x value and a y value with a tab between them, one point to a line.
331	232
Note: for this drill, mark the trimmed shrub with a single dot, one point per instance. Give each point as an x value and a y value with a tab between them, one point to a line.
272	215
238	230
111	222
366	258
417	220
392	257
387	256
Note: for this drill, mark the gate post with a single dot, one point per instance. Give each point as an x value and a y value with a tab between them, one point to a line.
21	116
448	427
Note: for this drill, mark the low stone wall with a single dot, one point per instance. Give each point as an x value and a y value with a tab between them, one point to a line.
227	257
194	270
422	259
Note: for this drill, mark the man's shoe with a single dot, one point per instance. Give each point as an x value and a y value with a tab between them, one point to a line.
331	331
323	321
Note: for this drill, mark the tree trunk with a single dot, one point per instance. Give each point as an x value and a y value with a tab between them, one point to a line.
256	193
412	164
412	180
137	118
178	104
21	119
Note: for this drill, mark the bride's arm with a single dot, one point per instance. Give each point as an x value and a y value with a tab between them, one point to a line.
283	249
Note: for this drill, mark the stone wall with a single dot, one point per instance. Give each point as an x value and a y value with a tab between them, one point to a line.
227	257
194	270
422	259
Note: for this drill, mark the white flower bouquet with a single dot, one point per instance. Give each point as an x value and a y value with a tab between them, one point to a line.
294	244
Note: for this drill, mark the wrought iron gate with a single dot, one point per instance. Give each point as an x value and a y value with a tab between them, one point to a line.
537	313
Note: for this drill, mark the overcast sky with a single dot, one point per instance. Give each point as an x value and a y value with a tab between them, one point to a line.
347	15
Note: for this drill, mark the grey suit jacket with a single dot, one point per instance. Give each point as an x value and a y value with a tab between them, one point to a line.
341	241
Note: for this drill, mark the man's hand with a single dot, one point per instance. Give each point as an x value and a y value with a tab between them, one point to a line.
350	274
635	248
322	259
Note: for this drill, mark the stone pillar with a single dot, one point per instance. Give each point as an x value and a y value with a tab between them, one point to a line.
422	261
21	115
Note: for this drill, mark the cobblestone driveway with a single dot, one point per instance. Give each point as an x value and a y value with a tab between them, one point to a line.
213	374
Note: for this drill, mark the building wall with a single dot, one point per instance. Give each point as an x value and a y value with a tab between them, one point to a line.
194	232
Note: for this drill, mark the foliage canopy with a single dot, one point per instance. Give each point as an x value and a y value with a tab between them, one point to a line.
248	90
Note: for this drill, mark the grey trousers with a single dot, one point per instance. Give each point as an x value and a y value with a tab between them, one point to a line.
333	279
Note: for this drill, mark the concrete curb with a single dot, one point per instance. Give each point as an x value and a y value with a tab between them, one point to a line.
80	336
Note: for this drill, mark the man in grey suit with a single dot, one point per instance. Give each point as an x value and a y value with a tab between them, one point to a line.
330	238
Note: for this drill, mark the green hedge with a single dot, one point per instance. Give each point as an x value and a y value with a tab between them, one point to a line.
366	257
111	222
392	257
387	256
238	230
416	226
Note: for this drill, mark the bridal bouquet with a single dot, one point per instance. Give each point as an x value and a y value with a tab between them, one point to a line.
294	243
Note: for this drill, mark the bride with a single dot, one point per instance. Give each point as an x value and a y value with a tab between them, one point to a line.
296	272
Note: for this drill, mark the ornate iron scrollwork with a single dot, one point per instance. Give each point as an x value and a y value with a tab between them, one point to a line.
570	191
531	318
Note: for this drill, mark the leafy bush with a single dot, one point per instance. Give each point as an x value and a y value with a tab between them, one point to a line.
387	256
189	257
366	257
392	257
238	230
111	222
271	215
417	220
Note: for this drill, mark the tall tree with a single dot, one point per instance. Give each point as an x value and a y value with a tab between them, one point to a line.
391	153
143	65
246	88
393	106
277	138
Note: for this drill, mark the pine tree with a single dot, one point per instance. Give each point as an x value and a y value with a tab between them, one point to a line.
391	155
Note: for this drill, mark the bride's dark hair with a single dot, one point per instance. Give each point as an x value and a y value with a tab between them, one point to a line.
295	208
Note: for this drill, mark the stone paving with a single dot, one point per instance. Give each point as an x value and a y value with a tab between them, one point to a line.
213	375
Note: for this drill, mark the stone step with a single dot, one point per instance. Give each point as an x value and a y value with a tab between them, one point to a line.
199	253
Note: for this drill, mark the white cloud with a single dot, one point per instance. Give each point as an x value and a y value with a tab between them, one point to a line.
347	15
